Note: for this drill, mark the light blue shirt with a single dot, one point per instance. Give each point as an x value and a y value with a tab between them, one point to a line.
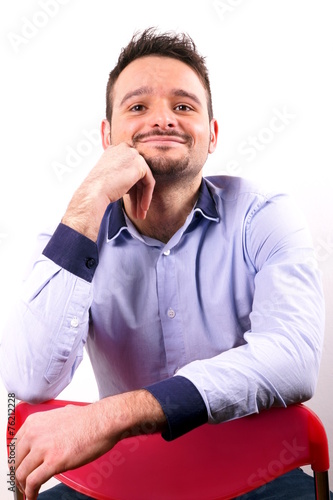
233	303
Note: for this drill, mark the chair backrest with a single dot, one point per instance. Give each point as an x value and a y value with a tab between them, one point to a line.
212	462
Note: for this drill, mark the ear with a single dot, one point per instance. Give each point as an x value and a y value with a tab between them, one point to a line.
105	133
214	130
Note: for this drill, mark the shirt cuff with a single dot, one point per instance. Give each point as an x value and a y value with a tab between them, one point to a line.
73	251
182	404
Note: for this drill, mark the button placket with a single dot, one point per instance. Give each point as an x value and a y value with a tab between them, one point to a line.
168	298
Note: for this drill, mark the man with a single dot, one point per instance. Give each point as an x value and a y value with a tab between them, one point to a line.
198	299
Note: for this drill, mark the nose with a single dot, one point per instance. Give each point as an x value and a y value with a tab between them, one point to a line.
163	117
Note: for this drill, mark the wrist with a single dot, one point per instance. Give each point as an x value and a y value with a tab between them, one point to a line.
130	414
85	214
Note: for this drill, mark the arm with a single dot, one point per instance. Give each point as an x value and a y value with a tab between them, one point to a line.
279	363
43	340
50	357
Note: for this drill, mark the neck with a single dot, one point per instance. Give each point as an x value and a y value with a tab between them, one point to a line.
168	211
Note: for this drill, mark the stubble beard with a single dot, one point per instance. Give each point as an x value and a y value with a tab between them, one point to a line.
168	169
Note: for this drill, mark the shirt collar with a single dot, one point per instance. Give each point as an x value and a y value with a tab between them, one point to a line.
117	222
205	205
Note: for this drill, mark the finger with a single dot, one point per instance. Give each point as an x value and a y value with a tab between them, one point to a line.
141	194
147	185
27	466
22	448
146	196
132	193
140	214
32	474
35	480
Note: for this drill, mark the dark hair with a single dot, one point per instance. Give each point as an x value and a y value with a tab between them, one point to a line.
177	46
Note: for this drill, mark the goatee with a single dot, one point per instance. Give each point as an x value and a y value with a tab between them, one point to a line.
167	168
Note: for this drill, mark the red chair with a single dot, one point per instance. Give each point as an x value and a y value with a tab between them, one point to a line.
213	462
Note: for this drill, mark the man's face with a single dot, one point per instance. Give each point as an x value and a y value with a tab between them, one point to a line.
160	108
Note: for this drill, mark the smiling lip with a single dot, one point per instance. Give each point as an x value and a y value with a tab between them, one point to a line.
163	138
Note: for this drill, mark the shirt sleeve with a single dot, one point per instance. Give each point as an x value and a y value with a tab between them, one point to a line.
182	405
43	340
73	251
279	362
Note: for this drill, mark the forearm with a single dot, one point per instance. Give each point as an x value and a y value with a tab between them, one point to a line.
86	210
130	414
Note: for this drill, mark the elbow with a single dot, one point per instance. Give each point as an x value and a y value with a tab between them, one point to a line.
304	383
306	391
310	372
31	396
30	391
306	364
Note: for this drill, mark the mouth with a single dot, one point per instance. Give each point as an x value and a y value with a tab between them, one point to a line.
160	139
164	140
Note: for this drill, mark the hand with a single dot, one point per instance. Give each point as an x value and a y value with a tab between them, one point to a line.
120	170
54	441
57	440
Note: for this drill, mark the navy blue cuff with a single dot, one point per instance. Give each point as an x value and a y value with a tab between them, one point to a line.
73	251
182	404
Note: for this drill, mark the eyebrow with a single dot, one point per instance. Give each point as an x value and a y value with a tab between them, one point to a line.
185	93
145	90
137	92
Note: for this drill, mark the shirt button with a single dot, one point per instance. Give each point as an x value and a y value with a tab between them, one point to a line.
75	322
171	313
90	263
166	253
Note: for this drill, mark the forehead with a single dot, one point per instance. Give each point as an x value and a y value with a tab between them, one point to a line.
160	74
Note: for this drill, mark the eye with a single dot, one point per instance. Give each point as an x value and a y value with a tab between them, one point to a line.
183	107
138	107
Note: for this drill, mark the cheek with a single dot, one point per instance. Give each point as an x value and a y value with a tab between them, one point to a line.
201	135
122	131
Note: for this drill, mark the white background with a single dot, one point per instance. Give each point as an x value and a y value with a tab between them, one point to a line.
264	56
